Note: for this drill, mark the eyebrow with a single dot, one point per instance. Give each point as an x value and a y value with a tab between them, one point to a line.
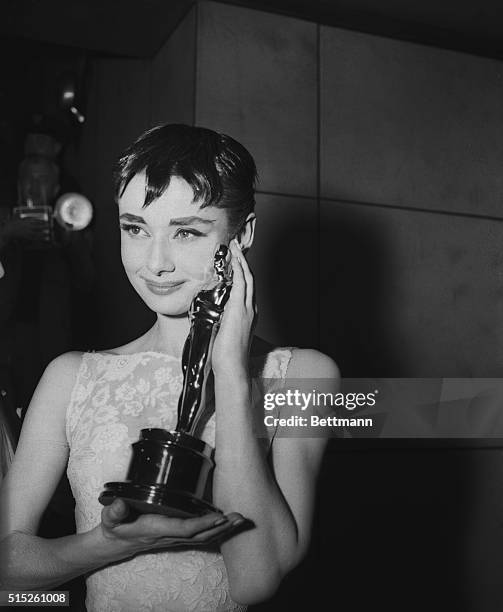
191	221
179	221
130	217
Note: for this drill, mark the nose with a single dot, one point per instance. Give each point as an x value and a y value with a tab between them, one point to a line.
160	258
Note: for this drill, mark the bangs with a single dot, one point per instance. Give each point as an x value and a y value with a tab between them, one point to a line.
160	162
207	192
220	171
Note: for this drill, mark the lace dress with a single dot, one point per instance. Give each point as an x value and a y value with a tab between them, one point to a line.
114	397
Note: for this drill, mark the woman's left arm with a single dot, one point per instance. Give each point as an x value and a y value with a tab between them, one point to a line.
276	496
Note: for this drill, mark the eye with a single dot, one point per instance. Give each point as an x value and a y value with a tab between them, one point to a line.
133	230
187	234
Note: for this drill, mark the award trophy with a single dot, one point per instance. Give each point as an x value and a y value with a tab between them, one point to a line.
170	471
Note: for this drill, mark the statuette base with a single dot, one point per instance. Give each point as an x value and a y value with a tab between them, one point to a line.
169	473
156	499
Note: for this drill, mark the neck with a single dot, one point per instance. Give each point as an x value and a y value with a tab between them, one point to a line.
168	335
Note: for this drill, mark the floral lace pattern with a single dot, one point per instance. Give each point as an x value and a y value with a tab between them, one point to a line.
114	397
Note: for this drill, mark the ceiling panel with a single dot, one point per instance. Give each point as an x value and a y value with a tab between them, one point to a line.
139	27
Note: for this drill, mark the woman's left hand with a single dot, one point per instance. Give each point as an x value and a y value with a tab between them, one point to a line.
232	342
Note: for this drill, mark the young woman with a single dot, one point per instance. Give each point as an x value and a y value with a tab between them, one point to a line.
181	192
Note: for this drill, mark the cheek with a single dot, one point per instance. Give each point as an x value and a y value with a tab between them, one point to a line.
131	257
197	260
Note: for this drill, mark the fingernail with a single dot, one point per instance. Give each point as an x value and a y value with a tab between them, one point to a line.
237	522
220	521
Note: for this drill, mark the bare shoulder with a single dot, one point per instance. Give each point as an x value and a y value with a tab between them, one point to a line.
310	363
54	390
62	371
306	365
68	362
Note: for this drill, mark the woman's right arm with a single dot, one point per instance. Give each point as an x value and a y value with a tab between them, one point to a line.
28	561
31	562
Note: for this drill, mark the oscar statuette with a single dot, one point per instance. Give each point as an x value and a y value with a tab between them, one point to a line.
170	471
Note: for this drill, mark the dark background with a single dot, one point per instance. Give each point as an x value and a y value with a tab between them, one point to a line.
378	133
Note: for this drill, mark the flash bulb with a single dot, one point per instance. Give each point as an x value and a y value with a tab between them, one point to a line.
73	211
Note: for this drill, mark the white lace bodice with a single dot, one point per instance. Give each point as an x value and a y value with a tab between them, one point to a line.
114	397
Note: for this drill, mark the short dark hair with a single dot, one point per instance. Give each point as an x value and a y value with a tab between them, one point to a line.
219	169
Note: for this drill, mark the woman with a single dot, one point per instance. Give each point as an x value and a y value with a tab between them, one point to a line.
181	192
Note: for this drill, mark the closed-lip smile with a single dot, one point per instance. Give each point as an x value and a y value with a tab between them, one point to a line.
162	285
165	287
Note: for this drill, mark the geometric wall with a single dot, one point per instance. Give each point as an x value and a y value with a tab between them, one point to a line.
379	199
392	152
379	233
380	225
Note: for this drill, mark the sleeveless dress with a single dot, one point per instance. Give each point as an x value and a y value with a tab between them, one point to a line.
114	397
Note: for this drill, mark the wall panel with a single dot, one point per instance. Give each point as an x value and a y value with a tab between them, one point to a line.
173	78
256	80
410	125
408	293
284	258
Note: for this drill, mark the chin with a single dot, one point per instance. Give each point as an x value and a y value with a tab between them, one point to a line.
173	312
170	305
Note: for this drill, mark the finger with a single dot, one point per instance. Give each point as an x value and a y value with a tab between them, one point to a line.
201	524
238	292
235	518
201	538
160	526
211	534
114	514
249	281
246	268
208	538
233	521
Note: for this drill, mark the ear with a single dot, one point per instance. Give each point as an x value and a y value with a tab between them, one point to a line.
247	233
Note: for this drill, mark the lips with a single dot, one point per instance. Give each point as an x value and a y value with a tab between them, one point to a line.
163	288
